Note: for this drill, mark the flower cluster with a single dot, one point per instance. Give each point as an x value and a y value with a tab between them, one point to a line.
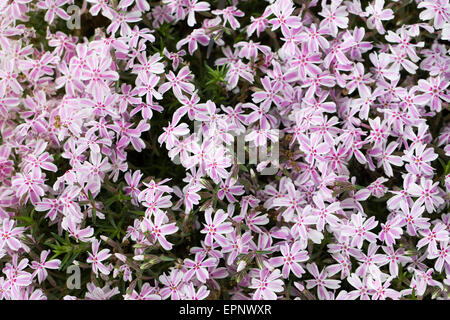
128	149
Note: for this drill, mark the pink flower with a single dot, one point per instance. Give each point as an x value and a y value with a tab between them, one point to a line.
305	61
98	74
432	236
97	257
377	14
195	6
427	192
382	290
173	131
229	14
146	85
325	213
437	10
413	218
236	245
133	182
216	228
197	36
292	256
259	24
173	285
101	5
386	157
434	91
419	158
314	148
147	293
121	20
159	229
283	9
314	37
39	159
377	189
147	66
229	189
358	230
53	7
97	293
370	262
320	281
199	267
29	186
40	67
9	235
363	291
9	79
395	257
42	265
442	255
267	284
175	57
178	83
422	279
190	293
392	230
335	16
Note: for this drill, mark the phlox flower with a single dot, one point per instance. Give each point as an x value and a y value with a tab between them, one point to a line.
217	227
358	230
377	14
335	16
436	10
292	255
199	267
382	290
431	237
320	281
423	279
96	258
427	193
158	228
53	8
41	266
191	294
267	284
173	285
228	14
442	256
9	235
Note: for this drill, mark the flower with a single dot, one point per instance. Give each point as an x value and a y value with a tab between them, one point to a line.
9	235
427	193
377	14
198	267
229	14
320	281
358	230
432	236
97	257
42	265
159	229
292	255
217	227
53	8
382	290
267	284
